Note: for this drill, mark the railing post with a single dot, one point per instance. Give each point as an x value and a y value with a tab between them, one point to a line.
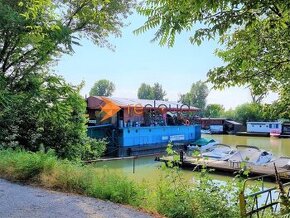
242	202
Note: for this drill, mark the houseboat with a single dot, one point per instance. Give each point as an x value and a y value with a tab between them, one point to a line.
219	125
285	130
267	128
139	126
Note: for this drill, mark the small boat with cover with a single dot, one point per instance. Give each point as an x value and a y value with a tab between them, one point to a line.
220	152
202	144
251	154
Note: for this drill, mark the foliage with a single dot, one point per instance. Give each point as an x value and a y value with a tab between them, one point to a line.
214	110
249	112
154	92
257	98
255	35
102	87
39	110
158	92
46	170
229	114
47	113
196	96
34	33
145	92
279	109
257	112
205	198
172	196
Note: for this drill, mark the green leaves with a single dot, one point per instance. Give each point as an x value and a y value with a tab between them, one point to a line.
196	96
214	110
102	87
39	108
34	33
154	92
47	112
255	35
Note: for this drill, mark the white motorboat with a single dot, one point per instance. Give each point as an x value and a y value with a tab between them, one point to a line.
251	154
220	152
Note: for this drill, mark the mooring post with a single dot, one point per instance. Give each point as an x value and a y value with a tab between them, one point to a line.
134	164
181	157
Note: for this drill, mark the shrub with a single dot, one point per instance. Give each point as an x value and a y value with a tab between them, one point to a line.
46	170
47	113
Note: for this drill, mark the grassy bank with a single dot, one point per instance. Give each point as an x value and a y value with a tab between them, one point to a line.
172	196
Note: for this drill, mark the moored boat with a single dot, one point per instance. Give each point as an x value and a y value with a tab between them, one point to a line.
202	144
251	154
220	152
275	133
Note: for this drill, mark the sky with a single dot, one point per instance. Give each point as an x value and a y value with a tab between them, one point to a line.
136	60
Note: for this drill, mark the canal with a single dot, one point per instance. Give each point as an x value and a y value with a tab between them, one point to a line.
149	170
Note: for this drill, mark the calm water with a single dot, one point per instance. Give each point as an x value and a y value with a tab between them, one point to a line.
279	147
149	170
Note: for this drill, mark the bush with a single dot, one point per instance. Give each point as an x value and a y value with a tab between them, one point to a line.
179	198
46	113
46	170
172	196
25	166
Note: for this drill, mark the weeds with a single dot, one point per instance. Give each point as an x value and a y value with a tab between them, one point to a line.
173	196
46	170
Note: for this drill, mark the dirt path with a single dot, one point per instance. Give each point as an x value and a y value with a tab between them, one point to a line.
19	201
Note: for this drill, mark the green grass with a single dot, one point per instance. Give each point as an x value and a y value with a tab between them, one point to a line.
47	171
172	196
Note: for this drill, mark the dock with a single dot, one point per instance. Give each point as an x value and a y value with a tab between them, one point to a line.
256	134
284	136
234	167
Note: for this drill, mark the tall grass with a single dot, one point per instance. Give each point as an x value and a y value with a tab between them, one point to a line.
172	196
48	171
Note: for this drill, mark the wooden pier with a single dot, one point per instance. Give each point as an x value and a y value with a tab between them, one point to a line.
234	167
256	134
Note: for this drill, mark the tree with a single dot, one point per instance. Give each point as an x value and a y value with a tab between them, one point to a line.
155	92
145	92
229	114
33	33
255	35
249	112
257	98
158	92
38	109
214	110
102	87
196	96
48	115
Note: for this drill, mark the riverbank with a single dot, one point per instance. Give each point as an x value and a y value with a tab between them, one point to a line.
171	197
26	201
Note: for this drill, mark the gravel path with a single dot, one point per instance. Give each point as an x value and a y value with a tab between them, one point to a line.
26	202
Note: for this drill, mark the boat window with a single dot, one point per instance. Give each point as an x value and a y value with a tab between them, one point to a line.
270	126
264	153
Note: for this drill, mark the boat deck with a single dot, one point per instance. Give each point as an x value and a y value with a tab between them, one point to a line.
235	166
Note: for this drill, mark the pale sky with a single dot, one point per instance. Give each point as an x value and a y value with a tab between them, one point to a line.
137	60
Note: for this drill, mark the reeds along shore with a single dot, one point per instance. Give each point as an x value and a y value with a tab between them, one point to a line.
172	196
